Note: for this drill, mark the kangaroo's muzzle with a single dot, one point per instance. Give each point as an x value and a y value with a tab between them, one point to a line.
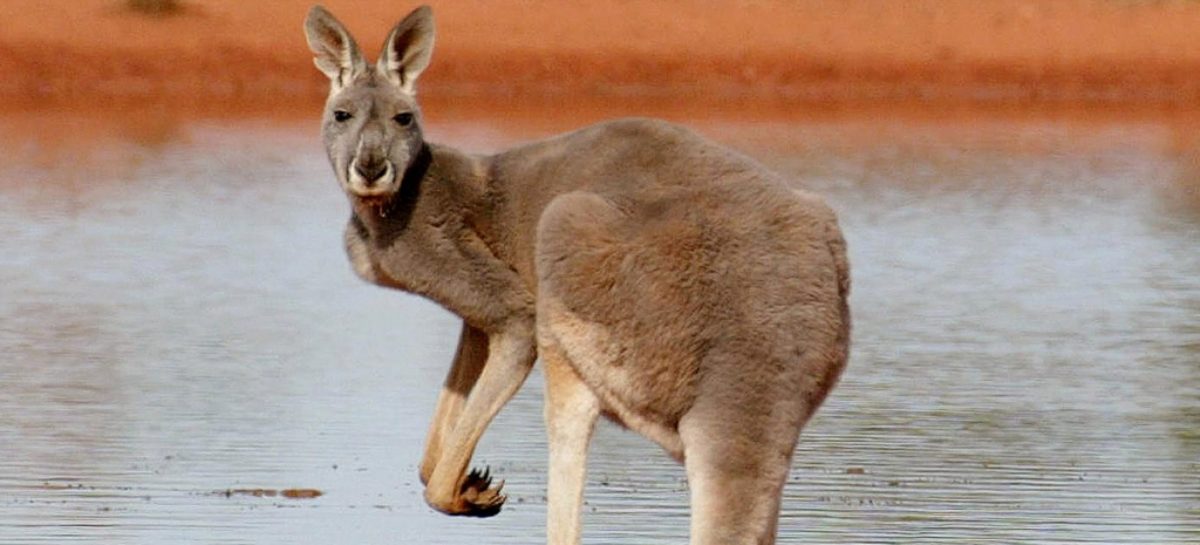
371	177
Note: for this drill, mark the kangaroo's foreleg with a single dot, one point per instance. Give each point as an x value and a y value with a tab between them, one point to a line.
464	372
571	412
510	356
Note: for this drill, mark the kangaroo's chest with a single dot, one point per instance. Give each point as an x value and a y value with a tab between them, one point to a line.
449	266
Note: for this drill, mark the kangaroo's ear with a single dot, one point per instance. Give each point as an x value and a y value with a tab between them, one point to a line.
335	52
408	48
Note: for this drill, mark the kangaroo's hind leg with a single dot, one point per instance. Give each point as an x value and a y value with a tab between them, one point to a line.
571	413
736	474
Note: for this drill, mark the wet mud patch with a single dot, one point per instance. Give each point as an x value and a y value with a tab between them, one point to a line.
289	493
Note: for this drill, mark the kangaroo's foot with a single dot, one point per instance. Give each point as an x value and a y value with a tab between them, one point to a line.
476	497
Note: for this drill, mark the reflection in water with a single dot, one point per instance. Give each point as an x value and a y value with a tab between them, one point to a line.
178	320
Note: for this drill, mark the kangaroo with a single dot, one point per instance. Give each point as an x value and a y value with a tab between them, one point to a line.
670	284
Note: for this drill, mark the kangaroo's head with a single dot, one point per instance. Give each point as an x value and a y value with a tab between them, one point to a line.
371	126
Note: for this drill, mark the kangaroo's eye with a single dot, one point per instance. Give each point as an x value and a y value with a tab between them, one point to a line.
341	115
404	119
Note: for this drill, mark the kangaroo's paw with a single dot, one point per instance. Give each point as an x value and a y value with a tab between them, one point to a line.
476	497
479	497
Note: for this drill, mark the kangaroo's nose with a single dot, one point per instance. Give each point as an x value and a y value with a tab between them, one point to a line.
371	169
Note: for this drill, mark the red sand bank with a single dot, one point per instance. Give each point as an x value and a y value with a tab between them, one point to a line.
972	51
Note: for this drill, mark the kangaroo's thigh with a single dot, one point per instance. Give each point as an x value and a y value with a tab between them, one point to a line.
589	255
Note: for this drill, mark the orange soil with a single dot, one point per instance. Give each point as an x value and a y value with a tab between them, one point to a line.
936	51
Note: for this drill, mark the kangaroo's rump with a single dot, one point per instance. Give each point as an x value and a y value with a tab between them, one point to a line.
735	297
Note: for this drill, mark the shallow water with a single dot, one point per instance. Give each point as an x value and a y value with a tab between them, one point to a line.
178	322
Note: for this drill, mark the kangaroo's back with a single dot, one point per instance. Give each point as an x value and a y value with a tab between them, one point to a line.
632	161
622	157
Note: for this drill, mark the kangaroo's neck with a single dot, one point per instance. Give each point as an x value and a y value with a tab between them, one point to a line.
441	186
442	223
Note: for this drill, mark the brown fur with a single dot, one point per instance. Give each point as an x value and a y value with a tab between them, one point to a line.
671	284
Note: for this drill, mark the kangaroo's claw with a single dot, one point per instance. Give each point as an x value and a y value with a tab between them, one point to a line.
478	498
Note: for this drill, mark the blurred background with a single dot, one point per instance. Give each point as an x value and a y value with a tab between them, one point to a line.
996	52
185	356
